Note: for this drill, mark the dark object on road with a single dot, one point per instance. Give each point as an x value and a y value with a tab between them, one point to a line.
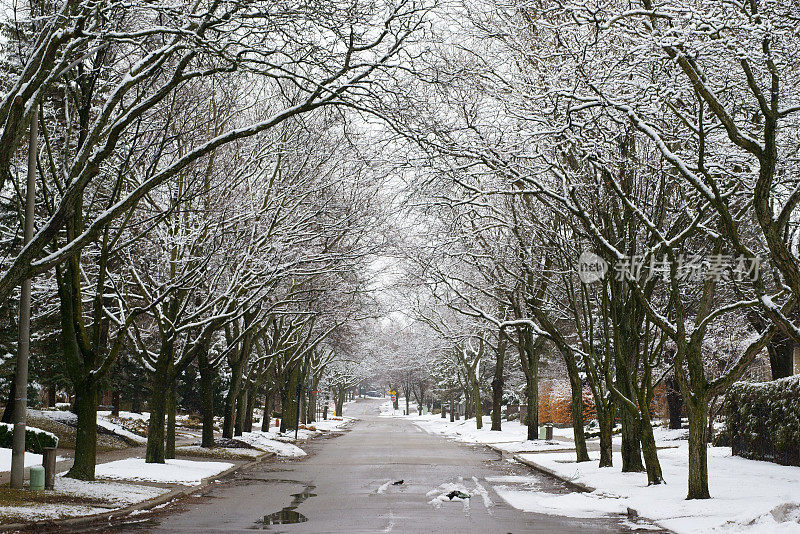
397	483
459	494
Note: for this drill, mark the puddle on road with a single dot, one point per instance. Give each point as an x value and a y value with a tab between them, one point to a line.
289	515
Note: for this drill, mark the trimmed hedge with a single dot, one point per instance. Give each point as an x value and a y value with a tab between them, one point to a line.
36	439
763	420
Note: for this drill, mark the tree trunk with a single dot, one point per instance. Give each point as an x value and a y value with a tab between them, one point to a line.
339	402
241	407
650	452
631	447
115	400
51	396
674	403
155	428
267	415
289	415
606	423
248	414
781	355
169	448
576	386
86	434
311	412
497	386
532	397
206	399
453	410
697	410
476	399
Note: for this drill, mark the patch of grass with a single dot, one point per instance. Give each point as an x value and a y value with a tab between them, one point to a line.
219	453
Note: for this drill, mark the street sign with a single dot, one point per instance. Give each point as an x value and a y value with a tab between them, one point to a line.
394	398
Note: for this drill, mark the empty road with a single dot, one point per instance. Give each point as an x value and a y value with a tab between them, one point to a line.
342	487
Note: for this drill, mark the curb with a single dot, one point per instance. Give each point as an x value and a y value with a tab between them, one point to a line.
542	469
149	504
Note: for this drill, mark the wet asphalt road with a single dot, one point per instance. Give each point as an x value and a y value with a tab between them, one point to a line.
336	489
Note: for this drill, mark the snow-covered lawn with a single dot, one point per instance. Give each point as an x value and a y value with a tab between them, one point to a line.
331	424
747	495
30	459
81	498
265	441
512	438
43	511
119	430
186	472
117	494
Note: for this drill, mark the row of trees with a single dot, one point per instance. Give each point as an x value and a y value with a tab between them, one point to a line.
201	201
649	143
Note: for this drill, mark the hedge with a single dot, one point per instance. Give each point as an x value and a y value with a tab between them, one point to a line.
763	420
36	439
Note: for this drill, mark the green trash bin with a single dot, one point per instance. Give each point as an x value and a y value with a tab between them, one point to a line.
542	432
37	478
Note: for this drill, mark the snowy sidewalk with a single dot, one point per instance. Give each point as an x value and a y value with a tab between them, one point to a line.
747	495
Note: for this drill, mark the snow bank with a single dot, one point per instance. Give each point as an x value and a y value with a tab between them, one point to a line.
187	472
747	495
119	430
578	505
265	441
512	438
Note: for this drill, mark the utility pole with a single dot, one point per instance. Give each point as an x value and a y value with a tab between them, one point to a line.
24	339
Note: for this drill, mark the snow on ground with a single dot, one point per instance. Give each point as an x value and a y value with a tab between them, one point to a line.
186	472
265	441
59	416
119	430
512	437
103	421
748	496
42	511
384	486
578	505
144	416
115	493
30	459
331	424
102	496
